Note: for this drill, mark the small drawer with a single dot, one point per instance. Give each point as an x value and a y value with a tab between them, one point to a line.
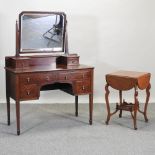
68	60
81	75
29	92
73	61
29	78
20	62
82	87
48	77
64	76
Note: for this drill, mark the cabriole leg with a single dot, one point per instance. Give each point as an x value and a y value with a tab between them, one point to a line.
135	108
107	103
146	103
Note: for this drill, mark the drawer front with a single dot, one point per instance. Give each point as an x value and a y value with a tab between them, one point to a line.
73	61
82	87
29	78
37	78
47	77
75	75
81	75
29	92
64	76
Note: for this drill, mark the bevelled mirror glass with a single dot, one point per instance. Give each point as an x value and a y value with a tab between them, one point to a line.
41	32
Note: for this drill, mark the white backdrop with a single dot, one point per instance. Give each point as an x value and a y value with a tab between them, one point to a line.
107	34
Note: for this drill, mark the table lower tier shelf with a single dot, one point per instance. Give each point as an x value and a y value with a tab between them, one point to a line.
125	106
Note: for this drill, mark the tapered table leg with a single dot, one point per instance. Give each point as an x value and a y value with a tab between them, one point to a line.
18	116
76	106
90	108
8	109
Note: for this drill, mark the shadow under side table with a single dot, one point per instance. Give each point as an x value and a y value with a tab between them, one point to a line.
124	81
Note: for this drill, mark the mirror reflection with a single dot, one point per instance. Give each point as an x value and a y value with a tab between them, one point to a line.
42	32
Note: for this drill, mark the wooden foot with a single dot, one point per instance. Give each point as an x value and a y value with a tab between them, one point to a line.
146	120
108	119
90	122
18	132
106	122
8	122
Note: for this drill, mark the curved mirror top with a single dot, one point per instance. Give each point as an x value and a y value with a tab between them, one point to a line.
41	32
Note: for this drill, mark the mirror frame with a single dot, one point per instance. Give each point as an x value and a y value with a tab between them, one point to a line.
18	35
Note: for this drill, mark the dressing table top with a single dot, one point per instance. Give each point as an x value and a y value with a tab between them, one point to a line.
52	67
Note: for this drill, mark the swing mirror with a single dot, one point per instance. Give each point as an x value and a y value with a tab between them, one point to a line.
42	32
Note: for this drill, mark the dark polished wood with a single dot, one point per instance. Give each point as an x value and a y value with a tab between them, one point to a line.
8	99
27	75
25	84
76	106
18	116
8	109
90	108
120	97
124	81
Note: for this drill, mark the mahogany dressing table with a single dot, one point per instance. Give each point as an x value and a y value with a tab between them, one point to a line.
42	62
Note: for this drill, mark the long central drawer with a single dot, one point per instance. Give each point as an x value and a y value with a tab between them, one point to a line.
31	78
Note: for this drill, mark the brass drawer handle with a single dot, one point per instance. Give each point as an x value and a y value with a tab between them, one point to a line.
28	92
83	87
28	80
74	61
47	78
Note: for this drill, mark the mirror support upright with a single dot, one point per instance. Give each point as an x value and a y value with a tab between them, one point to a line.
66	40
17	39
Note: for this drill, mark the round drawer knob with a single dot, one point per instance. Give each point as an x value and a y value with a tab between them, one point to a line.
74	61
83	87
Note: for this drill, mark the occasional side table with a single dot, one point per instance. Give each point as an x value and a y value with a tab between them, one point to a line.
124	81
